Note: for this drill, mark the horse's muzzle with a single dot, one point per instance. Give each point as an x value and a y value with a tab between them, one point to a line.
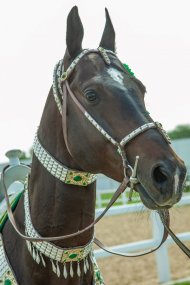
165	186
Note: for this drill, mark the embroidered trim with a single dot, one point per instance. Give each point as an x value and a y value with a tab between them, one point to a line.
6	274
97	274
66	175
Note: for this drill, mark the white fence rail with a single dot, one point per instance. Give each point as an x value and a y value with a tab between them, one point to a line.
162	259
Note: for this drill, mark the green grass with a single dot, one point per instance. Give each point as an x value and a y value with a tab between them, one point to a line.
187	188
135	199
107	196
183	283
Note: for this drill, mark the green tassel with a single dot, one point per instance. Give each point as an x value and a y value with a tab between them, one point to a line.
128	69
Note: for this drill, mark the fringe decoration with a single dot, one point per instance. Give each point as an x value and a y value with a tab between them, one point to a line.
78	269
33	253
37	257
30	247
71	269
87	263
58	270
53	266
43	261
65	271
85	269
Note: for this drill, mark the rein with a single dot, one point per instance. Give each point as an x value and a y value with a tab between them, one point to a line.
132	179
120	190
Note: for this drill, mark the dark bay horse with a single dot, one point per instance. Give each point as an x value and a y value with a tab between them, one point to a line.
96	82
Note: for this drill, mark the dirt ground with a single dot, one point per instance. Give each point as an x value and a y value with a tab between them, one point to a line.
140	270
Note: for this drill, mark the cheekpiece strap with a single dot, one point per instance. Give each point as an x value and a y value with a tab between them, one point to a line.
58	170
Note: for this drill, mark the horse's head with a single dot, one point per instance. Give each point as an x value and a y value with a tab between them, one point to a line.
115	99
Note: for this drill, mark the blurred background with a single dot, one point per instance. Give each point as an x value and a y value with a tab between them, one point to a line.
153	38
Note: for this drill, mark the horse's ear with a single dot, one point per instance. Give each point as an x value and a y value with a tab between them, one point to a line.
75	33
108	37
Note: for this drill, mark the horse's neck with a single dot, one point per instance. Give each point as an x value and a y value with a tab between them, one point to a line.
58	208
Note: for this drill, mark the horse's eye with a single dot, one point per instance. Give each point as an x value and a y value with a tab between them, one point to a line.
91	95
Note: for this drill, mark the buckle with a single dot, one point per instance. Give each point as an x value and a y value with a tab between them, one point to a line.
63	76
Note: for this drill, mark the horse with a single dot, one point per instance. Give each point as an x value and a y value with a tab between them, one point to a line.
94	103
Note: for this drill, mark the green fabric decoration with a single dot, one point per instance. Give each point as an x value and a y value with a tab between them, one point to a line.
7	282
128	69
4	216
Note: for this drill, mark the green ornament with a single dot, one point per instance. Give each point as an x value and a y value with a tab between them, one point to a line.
7	282
73	255
98	274
77	178
128	69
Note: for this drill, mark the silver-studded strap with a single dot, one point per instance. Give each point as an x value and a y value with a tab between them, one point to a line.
100	129
60	75
58	170
56	84
136	132
103	52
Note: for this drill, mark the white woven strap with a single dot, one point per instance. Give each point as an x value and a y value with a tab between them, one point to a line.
58	170
5	270
136	132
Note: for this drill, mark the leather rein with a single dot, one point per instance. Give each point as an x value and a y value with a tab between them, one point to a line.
164	215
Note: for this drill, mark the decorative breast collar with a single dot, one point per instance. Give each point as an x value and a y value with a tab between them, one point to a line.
60	258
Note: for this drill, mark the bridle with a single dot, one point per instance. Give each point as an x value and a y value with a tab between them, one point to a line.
64	90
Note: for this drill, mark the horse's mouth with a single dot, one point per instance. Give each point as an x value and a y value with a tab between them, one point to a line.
147	200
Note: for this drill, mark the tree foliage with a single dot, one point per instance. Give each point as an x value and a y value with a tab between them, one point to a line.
180	132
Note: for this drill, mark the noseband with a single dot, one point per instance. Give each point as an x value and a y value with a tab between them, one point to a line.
60	77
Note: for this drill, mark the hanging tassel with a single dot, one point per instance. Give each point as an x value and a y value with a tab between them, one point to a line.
53	266
65	271
43	261
87	263
29	247
85	269
58	270
78	269
71	269
33	254
37	257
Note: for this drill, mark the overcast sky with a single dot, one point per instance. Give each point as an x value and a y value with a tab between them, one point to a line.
153	37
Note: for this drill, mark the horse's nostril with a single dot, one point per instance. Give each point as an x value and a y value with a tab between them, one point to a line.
159	176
